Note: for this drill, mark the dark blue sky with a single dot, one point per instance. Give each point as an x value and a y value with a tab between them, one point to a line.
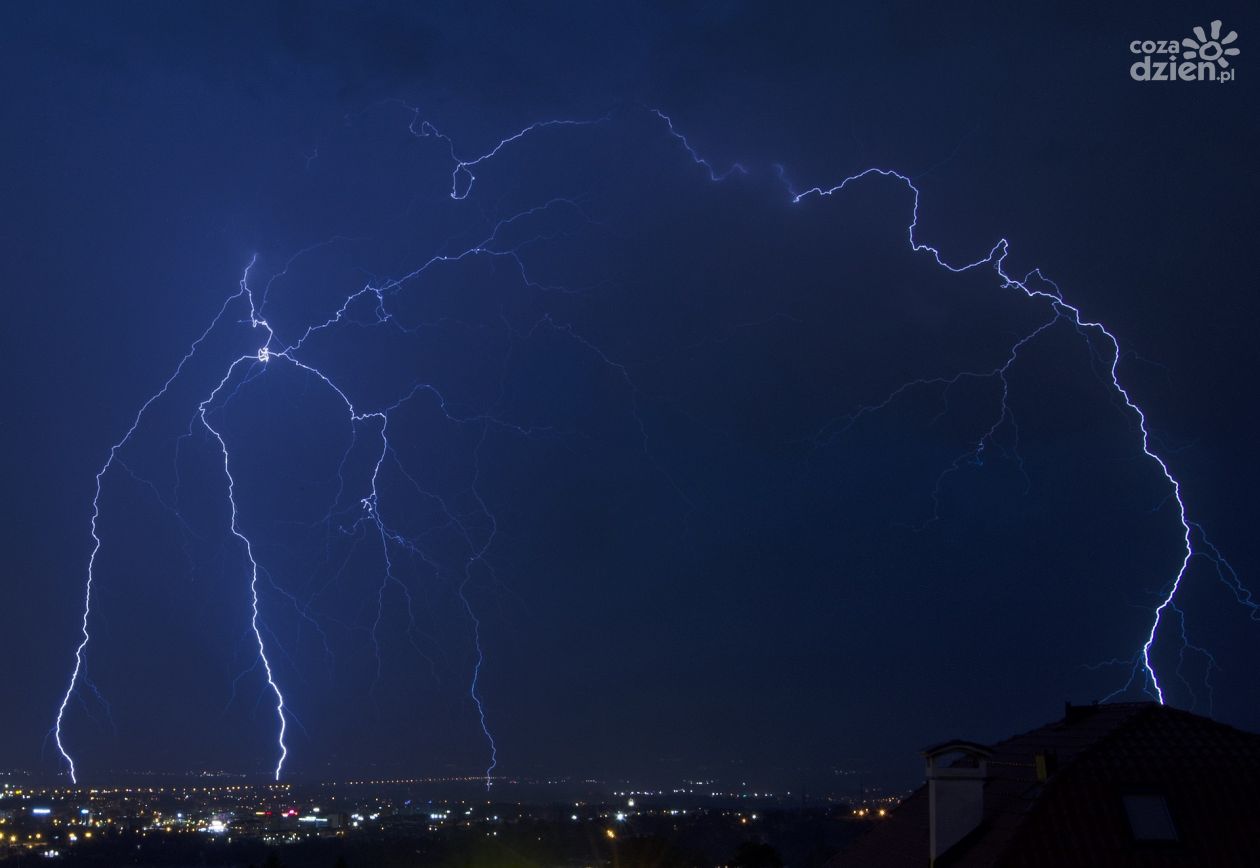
684	578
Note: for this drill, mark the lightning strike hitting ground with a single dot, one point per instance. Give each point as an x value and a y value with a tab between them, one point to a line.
1052	296
1034	286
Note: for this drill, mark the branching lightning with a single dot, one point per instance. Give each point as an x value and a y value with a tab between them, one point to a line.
249	554
271	351
76	672
1046	291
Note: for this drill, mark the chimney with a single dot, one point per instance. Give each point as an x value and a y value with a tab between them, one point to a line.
955	792
1047	765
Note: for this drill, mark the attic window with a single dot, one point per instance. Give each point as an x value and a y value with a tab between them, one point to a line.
1149	818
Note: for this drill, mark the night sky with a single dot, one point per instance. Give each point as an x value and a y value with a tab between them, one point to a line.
636	458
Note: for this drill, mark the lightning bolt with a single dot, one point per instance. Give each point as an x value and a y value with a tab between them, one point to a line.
1047	292
1034	286
110	460
714	174
370	502
253	563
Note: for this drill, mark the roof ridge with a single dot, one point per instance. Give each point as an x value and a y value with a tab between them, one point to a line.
1143	712
1019	819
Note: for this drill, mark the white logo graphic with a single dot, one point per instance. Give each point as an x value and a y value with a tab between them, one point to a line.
1202	58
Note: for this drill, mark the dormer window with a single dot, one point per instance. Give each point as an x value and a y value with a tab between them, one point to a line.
1149	818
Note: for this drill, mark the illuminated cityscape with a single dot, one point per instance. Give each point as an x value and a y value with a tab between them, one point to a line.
362	820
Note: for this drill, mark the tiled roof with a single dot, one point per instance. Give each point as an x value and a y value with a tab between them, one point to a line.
1208	772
